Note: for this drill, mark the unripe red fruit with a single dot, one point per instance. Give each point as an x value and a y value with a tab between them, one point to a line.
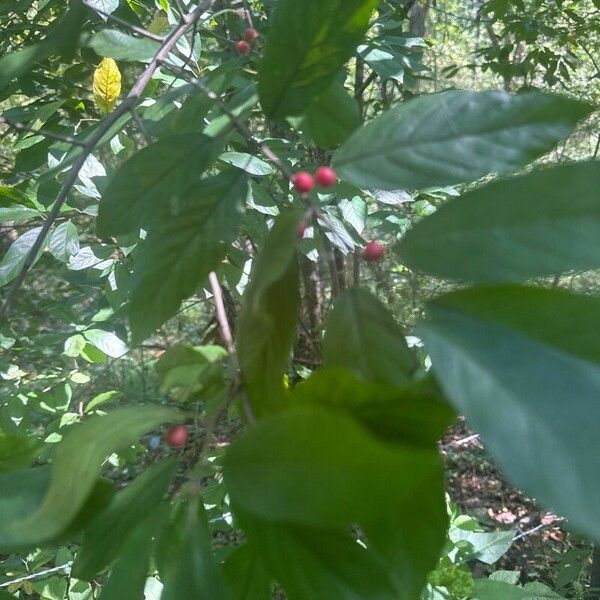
302	227
325	177
374	252
243	48
250	34
303	182
177	436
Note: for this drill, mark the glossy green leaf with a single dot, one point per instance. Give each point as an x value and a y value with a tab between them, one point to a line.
267	323
362	336
307	45
184	248
75	470
64	241
107	342
455	137
414	413
102	399
488	547
251	164
332	118
523	365
111	43
511	230
154	183
317	563
127	509
15	257
191	569
105	6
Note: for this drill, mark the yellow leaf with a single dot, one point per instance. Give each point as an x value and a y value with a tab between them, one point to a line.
107	84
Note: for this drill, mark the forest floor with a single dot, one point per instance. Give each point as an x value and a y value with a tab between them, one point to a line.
543	549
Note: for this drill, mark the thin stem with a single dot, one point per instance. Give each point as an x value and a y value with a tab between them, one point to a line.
37	575
135	28
20	127
225	328
128	103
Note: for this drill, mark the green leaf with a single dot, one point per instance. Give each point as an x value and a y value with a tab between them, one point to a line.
267	322
153	183
251	164
101	399
17	451
127	509
111	43
247	575
15	257
523	365
128	576
13	195
332	118
413	414
191	368
362	336
107	342
487	547
454	137
511	230
488	589
315	563
19	62
106	6
311	468
21	492
17	213
190	568
74	345
75	469
184	248
307	45
64	241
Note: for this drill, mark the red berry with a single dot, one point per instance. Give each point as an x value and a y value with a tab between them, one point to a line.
177	436
243	48
374	252
250	34
303	182
302	227
325	177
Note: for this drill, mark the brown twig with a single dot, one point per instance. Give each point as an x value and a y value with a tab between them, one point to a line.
225	328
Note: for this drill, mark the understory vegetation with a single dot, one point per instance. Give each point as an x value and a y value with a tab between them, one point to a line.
299	299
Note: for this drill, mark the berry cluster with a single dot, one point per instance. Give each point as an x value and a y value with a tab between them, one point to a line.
304	182
244	46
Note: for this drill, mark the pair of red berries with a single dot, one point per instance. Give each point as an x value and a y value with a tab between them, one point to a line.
177	436
244	46
304	182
